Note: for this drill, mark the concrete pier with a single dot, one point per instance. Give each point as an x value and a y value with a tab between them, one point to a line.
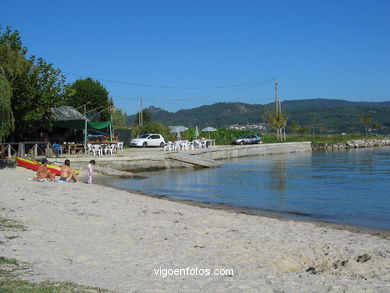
194	160
135	159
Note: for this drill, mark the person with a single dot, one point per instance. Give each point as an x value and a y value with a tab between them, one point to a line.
67	174
90	170
43	172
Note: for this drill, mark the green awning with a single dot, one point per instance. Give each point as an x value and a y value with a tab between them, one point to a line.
99	125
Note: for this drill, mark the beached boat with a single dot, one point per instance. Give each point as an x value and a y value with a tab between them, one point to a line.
34	165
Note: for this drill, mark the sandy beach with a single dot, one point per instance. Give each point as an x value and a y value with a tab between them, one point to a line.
125	242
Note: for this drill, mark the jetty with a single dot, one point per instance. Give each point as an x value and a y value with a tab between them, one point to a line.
194	160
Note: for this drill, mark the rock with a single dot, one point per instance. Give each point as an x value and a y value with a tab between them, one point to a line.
340	263
363	258
311	270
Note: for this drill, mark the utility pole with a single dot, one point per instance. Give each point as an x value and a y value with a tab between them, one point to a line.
280	132
111	125
140	113
276	96
85	128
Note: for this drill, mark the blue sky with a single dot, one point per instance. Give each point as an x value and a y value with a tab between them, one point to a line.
203	52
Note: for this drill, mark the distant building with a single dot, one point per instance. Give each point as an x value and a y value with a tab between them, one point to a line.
260	126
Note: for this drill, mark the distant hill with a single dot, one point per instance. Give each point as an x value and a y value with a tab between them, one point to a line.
326	112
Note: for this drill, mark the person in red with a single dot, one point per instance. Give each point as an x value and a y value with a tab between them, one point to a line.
43	172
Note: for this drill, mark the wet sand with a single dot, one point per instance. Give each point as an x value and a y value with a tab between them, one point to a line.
126	242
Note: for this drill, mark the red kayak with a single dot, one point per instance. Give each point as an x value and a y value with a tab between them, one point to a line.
34	165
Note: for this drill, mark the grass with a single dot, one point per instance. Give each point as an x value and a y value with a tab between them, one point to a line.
20	286
7	224
7	261
11	282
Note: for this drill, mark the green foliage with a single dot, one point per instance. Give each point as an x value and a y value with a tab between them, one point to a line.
216	115
7	261
40	88
224	136
11	39
36	86
367	122
153	127
119	118
6	115
91	93
294	126
275	119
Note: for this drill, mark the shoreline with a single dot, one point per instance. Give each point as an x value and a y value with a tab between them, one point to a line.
382	233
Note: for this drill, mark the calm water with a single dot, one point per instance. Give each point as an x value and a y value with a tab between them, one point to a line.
342	187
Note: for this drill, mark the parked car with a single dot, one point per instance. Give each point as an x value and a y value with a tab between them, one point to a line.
248	139
148	140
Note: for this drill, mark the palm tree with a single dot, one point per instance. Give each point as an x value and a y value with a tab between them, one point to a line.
366	121
278	121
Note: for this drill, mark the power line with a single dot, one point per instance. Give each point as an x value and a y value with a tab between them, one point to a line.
173	87
167	100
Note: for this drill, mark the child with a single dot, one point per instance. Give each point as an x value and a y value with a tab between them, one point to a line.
90	170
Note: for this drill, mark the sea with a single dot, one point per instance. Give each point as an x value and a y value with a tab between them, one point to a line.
347	187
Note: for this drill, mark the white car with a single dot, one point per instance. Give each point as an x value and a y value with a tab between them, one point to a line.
148	140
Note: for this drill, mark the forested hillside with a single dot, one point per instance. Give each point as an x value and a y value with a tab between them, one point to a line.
325	113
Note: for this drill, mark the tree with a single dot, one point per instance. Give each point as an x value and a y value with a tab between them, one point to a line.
146	117
119	118
40	89
6	115
276	120
294	126
376	125
366	121
337	126
93	95
323	129
35	84
312	124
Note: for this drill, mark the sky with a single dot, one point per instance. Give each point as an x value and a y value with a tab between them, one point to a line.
180	54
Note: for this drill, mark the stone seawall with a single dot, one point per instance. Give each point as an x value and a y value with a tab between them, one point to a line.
152	159
231	152
352	144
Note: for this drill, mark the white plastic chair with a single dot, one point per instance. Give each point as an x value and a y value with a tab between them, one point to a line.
184	145
90	149
168	146
98	150
120	145
109	149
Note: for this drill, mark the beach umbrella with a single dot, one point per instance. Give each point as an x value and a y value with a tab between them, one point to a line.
209	129
178	129
196	132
